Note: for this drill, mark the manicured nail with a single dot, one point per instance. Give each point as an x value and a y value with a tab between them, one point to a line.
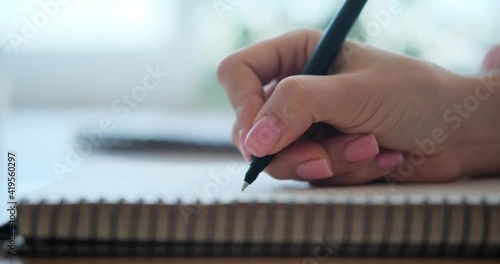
314	169
243	149
389	159
360	149
262	137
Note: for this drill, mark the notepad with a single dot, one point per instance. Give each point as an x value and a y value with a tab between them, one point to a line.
165	207
186	132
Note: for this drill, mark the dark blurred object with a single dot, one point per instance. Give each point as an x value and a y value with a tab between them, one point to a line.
124	142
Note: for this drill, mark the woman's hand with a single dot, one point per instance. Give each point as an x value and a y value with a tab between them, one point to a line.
399	116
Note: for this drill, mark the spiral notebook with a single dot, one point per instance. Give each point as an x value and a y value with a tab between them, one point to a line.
112	207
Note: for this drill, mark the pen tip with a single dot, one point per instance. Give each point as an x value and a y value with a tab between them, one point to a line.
245	185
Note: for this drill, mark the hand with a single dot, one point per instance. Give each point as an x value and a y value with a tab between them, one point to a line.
385	104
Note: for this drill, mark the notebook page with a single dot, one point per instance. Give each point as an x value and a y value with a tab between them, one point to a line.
173	179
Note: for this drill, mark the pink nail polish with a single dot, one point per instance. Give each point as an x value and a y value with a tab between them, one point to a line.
263	137
361	149
314	169
243	149
389	160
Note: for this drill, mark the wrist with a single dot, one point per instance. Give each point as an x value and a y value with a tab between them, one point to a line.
476	122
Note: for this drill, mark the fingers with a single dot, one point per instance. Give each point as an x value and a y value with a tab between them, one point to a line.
365	174
299	101
332	157
244	73
373	170
389	159
492	60
286	164
269	89
242	147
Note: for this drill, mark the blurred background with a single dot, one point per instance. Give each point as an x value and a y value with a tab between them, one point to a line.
81	54
71	68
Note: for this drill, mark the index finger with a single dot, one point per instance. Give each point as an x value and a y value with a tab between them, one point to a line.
244	73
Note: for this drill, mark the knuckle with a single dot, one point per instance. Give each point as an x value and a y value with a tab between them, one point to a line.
293	91
292	96
225	67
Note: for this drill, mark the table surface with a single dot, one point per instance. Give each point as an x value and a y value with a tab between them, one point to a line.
246	260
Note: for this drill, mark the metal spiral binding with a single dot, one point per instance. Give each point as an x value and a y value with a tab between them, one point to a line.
133	231
54	222
72	228
171	219
387	228
250	212
211	225
115	220
191	247
346	241
35	215
74	245
173	225
423	249
466	229
407	224
367	230
153	228
329	221
445	228
310	215
94	225
269	230
486	227
229	232
287	249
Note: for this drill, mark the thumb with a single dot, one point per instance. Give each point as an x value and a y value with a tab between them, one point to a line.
296	104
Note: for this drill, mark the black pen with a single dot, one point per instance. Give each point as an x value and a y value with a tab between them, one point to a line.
325	52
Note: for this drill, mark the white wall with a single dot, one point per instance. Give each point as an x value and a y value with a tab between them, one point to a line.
92	64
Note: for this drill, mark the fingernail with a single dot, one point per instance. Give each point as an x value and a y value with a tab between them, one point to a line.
361	149
389	160
314	169
262	137
243	149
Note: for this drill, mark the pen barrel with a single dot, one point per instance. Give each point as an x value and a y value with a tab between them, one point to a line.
334	35
257	165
